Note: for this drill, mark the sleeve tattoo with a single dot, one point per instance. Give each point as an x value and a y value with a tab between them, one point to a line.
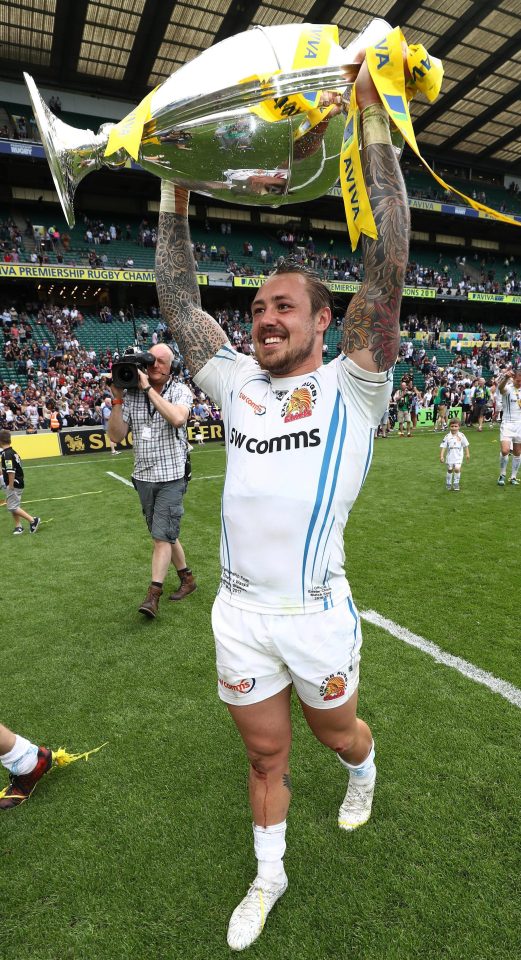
196	333
372	322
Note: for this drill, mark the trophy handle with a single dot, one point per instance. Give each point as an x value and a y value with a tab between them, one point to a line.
71	153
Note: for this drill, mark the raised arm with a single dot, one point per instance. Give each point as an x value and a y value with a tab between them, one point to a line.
371	334
196	333
504	378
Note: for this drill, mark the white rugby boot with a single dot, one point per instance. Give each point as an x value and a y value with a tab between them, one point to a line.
356	806
248	919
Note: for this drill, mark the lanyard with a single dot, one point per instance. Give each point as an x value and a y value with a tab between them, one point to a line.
151	409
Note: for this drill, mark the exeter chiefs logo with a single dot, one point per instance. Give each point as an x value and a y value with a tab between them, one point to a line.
333	686
300	403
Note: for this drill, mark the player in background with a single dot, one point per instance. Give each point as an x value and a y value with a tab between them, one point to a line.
456	445
509	386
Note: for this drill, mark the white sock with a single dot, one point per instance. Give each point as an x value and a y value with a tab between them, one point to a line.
22	758
270	847
503	462
449	478
456	480
363	773
515	466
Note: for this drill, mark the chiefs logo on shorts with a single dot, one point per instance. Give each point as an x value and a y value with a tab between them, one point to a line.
300	403
242	686
333	686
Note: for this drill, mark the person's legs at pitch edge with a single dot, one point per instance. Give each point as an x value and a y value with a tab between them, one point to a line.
163	508
26	764
457	476
516	461
13	500
509	446
187	583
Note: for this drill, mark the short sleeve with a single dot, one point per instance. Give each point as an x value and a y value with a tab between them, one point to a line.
218	376
370	392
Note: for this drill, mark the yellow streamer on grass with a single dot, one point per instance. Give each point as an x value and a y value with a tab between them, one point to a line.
61	758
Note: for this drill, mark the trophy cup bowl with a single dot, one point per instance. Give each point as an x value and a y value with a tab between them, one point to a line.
206	128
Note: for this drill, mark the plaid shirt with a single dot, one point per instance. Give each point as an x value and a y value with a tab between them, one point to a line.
163	456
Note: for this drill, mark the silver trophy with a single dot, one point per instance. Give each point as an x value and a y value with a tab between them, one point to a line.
239	122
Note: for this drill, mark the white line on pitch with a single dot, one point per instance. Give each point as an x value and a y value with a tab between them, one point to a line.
70	461
506	690
70	496
121	479
216	476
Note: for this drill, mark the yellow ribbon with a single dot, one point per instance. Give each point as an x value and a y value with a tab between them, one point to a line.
385	63
128	132
359	215
61	758
313	49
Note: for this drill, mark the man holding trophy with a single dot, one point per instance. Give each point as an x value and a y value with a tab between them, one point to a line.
299	443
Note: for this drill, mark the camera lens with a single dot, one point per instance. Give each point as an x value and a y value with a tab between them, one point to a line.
126	374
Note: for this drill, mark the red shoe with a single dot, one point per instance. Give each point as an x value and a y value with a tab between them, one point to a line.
22	786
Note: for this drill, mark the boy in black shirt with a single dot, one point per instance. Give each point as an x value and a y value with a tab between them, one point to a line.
13	477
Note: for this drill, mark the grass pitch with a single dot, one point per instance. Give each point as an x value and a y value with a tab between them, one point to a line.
146	849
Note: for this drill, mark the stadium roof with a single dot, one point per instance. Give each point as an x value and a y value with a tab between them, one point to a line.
123	48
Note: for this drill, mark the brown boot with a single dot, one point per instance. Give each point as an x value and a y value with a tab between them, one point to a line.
151	601
187	585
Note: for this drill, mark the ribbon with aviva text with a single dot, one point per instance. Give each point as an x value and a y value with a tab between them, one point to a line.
313	50
386	65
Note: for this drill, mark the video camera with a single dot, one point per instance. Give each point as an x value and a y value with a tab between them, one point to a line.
125	368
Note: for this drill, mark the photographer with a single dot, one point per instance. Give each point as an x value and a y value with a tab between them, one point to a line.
157	411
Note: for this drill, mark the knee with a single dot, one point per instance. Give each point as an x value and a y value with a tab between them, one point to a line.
268	757
340	741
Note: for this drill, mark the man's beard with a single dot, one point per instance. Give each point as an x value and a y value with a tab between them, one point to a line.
284	365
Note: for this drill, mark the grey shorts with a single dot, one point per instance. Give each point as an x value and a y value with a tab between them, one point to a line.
13	500
162	505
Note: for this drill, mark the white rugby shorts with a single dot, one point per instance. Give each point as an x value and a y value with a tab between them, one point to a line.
258	655
454	459
510	431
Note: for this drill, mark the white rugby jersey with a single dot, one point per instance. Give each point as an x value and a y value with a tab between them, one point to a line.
512	405
454	444
298	452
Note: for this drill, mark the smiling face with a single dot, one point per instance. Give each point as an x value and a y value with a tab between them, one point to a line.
287	336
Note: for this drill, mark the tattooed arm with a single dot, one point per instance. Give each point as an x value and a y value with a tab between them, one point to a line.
371	334
196	333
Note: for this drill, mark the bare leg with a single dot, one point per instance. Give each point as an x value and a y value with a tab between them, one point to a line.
266	732
161	560
178	555
7	740
341	730
21	513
